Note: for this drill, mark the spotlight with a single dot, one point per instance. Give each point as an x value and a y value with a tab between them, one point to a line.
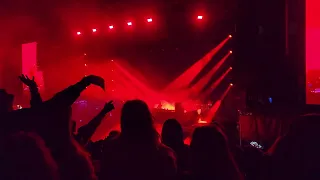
230	52
112	60
129	23
78	33
85	65
231	84
111	27
94	30
230	36
200	17
149	20
230	68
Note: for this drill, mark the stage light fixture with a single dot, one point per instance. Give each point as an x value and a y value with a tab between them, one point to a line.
85	65
94	30
149	20
78	33
111	27
231	84
230	68
230	52
230	36
200	17
129	23
112	60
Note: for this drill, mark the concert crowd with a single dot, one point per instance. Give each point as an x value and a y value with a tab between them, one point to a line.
41	143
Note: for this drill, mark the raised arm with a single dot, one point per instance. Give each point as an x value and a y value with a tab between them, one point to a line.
36	99
85	132
68	96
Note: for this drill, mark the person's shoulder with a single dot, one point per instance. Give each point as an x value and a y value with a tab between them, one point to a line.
111	144
166	150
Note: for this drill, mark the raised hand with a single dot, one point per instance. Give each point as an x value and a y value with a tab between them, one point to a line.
96	80
108	106
27	81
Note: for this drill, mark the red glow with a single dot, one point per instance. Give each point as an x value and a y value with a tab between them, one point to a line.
230	52
230	36
78	33
200	17
231	84
29	64
111	27
149	20
200	121
212	112
129	23
167	106
312	51
94	30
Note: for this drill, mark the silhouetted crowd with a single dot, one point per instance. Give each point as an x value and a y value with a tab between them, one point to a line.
41	143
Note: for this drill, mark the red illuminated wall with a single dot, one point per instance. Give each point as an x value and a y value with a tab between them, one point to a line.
29	64
312	51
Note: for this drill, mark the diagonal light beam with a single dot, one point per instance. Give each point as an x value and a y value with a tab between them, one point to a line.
185	78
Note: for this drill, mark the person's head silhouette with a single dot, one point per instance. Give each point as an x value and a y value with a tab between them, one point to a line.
6	100
211	156
172	133
137	122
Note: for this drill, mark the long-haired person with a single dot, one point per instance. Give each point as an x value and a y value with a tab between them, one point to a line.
172	136
25	156
211	157
296	155
137	152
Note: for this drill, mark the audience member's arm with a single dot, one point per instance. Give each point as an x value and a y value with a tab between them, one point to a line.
85	132
68	96
36	99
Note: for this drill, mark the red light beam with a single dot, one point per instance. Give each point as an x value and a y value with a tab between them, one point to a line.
204	81
216	83
212	112
185	78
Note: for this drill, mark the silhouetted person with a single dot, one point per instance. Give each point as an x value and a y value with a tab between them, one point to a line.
36	99
253	163
85	132
172	136
25	156
40	118
296	155
211	157
137	153
72	159
112	135
6	102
